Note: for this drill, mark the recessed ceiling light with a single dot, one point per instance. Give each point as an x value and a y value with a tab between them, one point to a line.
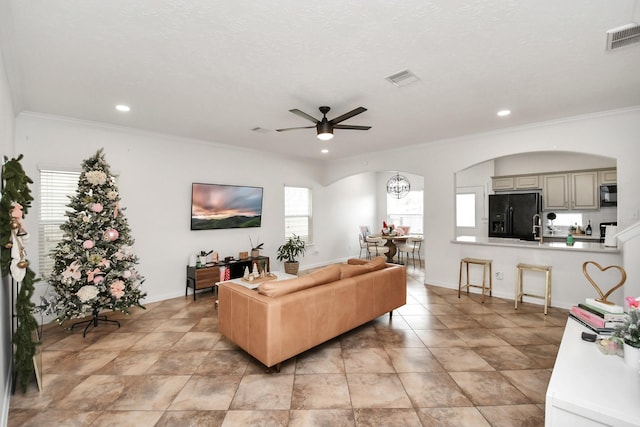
504	113
324	151
123	108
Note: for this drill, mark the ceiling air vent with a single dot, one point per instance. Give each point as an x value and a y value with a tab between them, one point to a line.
402	78
623	36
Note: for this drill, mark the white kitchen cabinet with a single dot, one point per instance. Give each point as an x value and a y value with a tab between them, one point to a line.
525	182
609	177
503	183
584	190
555	191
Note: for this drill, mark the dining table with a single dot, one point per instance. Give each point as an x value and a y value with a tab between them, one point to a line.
390	242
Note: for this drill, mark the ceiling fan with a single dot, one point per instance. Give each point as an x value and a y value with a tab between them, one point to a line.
325	127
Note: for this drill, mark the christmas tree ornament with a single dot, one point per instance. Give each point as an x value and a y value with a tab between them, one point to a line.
111	234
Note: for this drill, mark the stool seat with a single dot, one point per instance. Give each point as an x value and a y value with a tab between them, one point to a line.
546	269
485	263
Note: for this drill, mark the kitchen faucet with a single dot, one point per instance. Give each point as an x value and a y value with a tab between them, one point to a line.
537	224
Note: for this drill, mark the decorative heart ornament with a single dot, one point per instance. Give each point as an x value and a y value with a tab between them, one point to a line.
603	297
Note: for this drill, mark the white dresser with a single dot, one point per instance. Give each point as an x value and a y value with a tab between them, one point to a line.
588	388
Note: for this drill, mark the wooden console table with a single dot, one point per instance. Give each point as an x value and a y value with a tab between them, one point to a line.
588	388
206	277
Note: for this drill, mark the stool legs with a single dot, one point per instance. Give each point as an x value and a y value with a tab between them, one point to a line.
468	284
520	287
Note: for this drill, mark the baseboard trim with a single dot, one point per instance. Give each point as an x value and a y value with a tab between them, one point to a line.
6	402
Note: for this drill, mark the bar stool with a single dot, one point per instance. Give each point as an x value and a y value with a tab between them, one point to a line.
484	263
547	288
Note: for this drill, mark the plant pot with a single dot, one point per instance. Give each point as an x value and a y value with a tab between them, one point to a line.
255	253
632	356
291	267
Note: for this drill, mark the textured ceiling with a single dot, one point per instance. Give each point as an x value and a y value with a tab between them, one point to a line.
214	70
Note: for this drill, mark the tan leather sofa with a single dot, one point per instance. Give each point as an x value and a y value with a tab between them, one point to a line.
285	318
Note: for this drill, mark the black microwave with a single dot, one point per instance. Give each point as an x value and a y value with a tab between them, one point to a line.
609	195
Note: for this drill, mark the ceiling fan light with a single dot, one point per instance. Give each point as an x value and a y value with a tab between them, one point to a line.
325	136
325	131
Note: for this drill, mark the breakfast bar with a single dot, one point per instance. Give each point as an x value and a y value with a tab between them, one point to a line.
569	287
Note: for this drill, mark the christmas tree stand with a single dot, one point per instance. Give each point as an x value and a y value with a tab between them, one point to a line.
93	322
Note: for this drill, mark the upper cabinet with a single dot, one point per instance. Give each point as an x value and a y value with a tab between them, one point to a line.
523	182
577	190
565	191
608	177
584	190
555	192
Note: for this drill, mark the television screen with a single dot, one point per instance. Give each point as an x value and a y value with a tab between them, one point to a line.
215	206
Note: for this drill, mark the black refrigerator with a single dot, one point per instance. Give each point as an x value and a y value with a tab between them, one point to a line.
511	215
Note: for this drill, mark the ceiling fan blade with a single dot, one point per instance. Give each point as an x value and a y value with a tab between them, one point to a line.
304	115
354	127
302	127
348	115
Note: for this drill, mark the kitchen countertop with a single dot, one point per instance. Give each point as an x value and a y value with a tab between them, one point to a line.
595	246
575	236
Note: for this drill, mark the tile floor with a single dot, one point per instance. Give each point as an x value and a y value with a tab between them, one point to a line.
439	361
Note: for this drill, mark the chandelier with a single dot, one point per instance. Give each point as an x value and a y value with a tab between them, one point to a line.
398	186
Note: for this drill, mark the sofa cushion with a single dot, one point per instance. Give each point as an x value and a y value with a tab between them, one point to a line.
328	274
352	268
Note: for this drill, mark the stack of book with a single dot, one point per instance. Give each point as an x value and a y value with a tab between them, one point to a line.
599	317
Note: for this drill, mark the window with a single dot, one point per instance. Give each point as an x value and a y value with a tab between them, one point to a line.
297	213
406	212
466	210
55	188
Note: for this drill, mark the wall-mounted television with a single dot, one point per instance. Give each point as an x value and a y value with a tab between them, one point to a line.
216	206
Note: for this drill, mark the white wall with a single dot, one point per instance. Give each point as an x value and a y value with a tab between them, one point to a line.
544	162
6	149
155	176
615	134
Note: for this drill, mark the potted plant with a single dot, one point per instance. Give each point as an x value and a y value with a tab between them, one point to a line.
255	249
292	248
629	332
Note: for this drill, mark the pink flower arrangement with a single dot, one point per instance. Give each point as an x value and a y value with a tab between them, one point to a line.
97	207
88	244
633	302
72	271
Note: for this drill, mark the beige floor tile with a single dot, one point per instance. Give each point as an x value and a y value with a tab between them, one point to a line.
71	363
61	417
440	338
493	321
398	338
425	322
320	391
130	363
157	341
520	336
367	360
387	417
267	418
327	417
173	362
127	419
433	389
505	358
120	341
480	337
488	388
460	359
191	418
362	337
458	321
149	392
324	360
221	362
532	382
544	355
513	415
377	391
95	393
195	341
414	360
452	417
206	393
267	392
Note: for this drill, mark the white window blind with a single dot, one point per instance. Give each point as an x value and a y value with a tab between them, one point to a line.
297	213
55	188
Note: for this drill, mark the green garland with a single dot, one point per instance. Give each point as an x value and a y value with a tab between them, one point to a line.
16	190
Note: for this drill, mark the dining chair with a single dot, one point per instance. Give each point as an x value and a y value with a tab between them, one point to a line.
376	247
363	247
412	249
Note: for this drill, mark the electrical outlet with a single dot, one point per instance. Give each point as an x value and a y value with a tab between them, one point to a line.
499	275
